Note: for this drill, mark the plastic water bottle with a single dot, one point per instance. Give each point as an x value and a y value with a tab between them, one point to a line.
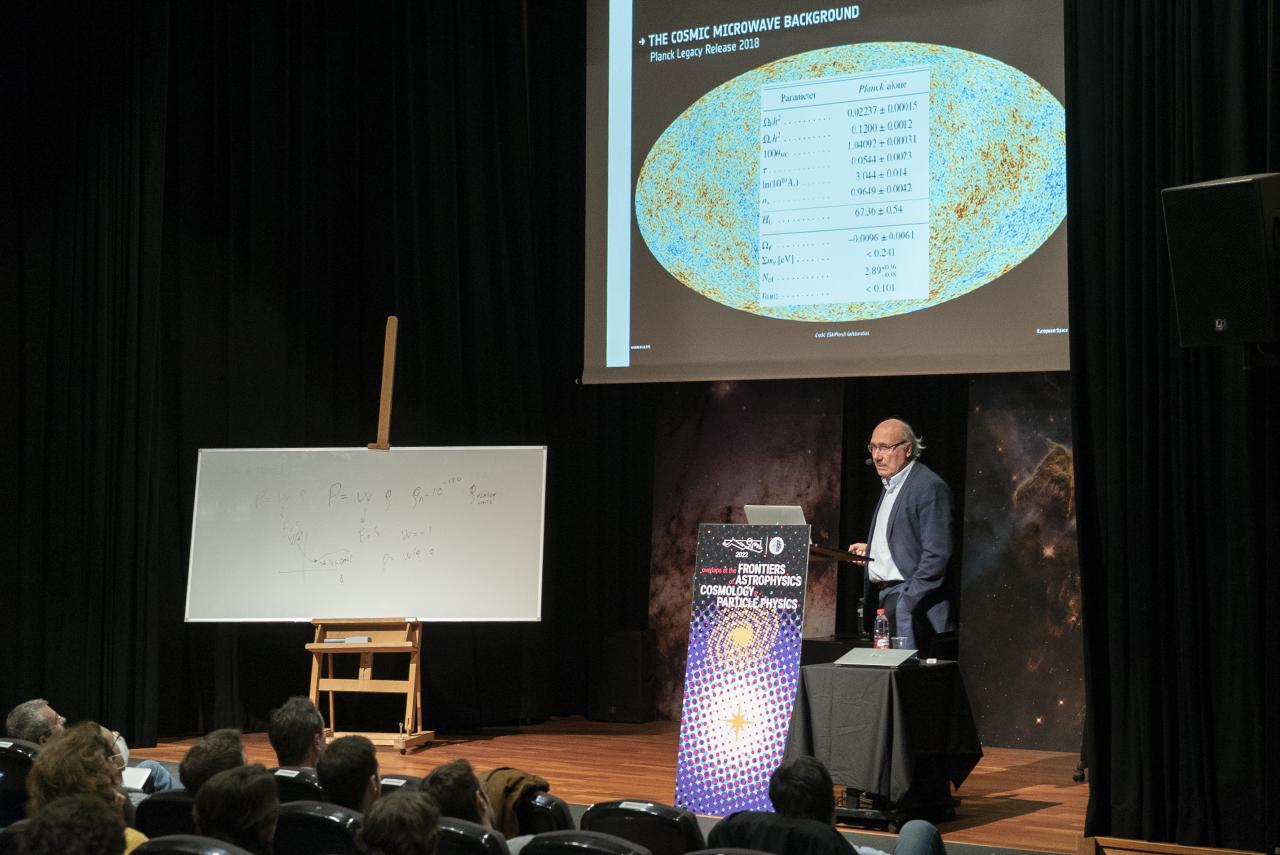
880	630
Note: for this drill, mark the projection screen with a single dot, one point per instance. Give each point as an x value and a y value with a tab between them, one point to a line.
778	189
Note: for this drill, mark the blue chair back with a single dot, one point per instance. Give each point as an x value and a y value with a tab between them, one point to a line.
10	837
166	812
581	843
662	829
392	783
460	837
540	811
297	783
188	844
311	827
16	757
772	832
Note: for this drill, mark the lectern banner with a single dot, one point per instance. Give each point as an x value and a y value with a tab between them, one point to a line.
743	665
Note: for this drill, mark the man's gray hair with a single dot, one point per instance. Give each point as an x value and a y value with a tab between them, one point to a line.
909	435
25	721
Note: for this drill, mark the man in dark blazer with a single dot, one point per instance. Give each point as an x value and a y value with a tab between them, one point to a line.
910	539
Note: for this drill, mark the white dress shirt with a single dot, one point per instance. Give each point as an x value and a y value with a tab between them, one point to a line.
881	567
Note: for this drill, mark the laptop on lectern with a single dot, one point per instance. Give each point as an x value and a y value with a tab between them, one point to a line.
876	657
775	514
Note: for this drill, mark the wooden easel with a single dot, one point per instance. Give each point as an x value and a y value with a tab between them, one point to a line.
383	442
386	635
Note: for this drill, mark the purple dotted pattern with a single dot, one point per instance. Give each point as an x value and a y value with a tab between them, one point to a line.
737	701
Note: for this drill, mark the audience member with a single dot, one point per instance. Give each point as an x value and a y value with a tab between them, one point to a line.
218	751
406	822
36	721
348	771
239	806
802	789
82	761
296	731
803	795
458	794
74	825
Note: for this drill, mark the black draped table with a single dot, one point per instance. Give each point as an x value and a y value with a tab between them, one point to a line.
899	735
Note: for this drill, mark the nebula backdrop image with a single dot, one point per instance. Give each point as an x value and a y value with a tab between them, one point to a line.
1021	641
721	446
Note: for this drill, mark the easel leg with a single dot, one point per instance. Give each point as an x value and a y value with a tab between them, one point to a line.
333	725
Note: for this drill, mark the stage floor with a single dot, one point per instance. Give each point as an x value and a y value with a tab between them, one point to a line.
1014	799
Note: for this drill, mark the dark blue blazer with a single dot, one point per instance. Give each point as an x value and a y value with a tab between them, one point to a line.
919	535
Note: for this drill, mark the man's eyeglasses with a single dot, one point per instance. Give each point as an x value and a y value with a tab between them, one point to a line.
873	449
119	759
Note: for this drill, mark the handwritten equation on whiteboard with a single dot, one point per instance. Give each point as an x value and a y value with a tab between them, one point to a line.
438	533
399	524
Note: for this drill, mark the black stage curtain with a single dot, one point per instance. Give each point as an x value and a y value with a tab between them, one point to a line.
84	383
1176	469
209	210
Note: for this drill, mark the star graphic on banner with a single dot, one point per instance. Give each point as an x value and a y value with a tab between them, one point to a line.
737	722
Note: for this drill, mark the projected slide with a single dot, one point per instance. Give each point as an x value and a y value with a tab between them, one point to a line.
825	208
868	189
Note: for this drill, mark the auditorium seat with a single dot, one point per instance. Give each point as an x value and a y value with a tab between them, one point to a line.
311	827
188	844
771	832
297	783
460	837
16	757
9	844
166	812
540	811
391	783
662	829
581	843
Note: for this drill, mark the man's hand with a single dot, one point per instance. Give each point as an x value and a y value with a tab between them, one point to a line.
858	548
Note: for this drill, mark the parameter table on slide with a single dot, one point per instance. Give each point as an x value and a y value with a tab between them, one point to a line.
844	188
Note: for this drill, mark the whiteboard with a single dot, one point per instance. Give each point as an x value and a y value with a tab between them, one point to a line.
436	534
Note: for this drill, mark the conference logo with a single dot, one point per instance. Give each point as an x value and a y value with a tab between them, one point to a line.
776	545
744	545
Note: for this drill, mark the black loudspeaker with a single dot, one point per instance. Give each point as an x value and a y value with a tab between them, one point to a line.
1224	242
621	676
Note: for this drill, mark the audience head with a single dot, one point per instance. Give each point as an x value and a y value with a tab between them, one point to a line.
218	751
348	771
35	721
81	761
802	789
239	806
404	823
74	825
296	731
458	794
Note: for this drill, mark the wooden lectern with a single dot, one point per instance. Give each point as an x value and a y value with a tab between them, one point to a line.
384	635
